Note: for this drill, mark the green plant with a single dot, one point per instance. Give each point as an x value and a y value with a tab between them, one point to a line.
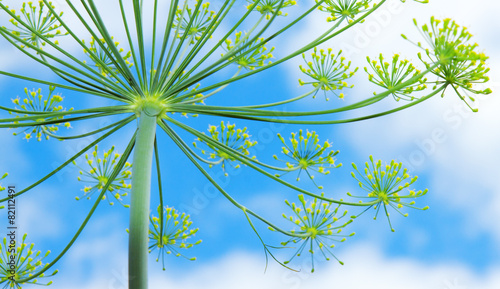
172	74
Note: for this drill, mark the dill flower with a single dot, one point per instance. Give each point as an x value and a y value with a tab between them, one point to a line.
230	136
319	228
389	75
36	103
385	185
460	65
99	52
39	18
99	174
27	262
191	24
253	56
348	9
269	7
172	234
306	153
344	9
328	71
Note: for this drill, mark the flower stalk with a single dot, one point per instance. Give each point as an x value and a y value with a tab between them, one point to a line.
140	199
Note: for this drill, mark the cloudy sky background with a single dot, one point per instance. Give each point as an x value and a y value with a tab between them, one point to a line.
451	246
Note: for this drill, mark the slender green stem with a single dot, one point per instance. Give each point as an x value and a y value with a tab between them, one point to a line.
129	38
211	93
74	88
339	121
36	115
176	73
168	27
153	44
170	58
59	168
281	102
127	120
140	40
114	174
242	158
140	199
160	188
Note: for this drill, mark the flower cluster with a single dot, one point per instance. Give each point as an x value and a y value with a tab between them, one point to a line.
270	7
230	136
306	153
171	234
419	1
40	19
20	262
252	56
191	24
328	71
459	64
36	103
99	52
391	75
344	9
385	184
319	228
2	188
99	174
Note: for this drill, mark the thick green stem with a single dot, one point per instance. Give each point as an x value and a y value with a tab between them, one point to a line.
140	198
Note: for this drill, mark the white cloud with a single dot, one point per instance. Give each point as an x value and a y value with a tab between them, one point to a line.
12	154
34	219
365	267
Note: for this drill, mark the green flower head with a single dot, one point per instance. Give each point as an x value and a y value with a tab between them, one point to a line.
193	24
100	173
171	234
460	65
384	185
99	52
390	75
328	71
41	21
348	9
306	153
270	7
20	262
344	9
318	228
253	56
35	103
230	136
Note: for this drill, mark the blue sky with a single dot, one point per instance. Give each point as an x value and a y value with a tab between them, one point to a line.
454	245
